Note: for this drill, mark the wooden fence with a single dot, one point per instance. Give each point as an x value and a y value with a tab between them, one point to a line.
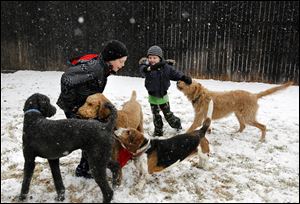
226	40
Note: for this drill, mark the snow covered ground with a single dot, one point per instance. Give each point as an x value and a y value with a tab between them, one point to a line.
241	168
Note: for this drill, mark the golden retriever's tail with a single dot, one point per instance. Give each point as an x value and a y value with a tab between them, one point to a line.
133	96
272	90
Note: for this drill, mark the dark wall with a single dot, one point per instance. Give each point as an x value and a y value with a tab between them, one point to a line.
227	40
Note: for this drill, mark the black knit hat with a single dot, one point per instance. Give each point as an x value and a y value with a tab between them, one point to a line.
155	50
114	49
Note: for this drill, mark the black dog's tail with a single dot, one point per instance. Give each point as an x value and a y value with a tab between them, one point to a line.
204	128
112	118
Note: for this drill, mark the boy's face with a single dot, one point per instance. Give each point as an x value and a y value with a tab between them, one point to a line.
118	64
153	59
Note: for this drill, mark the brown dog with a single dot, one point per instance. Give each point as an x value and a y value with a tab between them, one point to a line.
131	116
242	103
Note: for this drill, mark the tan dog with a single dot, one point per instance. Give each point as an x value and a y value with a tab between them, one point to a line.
131	116
94	107
242	103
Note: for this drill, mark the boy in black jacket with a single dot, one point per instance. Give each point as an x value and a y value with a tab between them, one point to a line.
158	73
88	76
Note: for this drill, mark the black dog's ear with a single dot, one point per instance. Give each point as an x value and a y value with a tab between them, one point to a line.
52	112
45	106
31	103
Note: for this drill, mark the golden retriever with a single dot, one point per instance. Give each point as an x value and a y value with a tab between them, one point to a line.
242	103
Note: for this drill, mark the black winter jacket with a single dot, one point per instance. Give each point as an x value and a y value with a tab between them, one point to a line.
80	81
157	82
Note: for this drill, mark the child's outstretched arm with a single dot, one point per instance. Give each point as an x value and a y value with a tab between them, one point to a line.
176	75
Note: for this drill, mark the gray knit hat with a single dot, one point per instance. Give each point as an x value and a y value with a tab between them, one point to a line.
155	50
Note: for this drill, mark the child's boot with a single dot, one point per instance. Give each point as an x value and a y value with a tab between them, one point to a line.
82	170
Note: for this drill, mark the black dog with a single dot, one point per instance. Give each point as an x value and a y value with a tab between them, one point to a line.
52	139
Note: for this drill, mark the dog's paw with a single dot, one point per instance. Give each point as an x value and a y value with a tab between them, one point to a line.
22	197
203	161
262	139
60	197
116	183
203	166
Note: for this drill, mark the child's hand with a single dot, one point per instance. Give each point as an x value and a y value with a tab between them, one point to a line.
186	79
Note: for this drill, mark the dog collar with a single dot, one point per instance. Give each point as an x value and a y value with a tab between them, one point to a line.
32	110
196	99
143	149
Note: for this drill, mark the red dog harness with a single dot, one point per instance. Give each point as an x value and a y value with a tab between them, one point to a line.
124	156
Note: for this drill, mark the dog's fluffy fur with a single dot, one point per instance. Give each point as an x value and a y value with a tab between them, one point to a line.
52	139
242	103
131	116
